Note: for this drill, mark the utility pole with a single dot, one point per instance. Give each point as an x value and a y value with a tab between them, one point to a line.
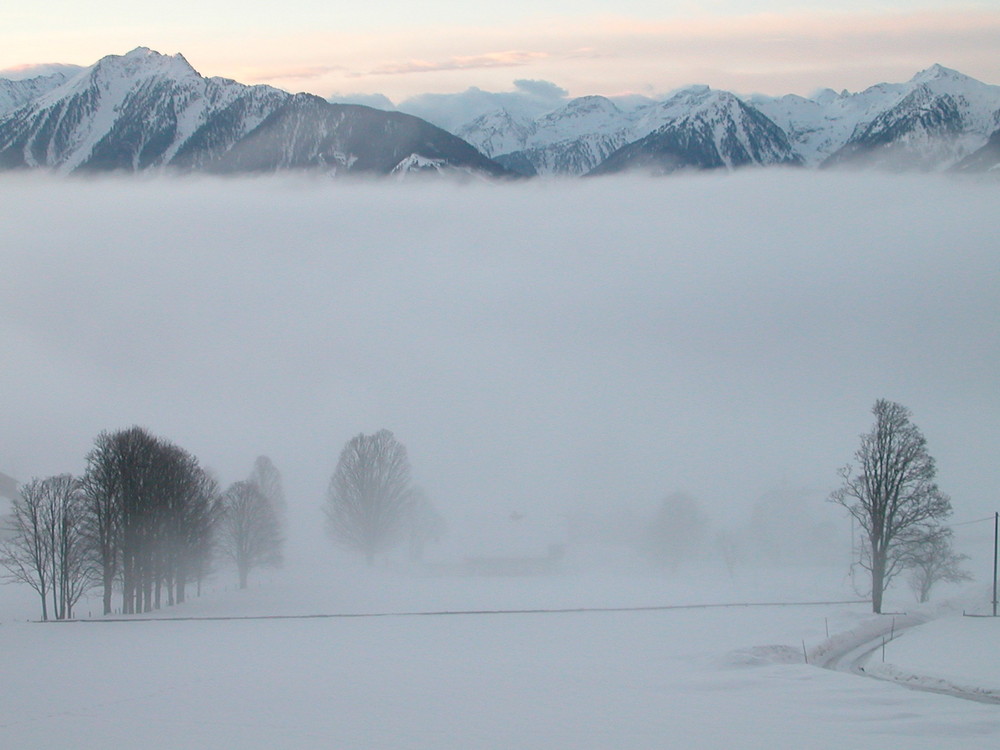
996	539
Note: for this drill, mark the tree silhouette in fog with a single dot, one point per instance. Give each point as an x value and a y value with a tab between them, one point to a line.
892	494
250	534
369	496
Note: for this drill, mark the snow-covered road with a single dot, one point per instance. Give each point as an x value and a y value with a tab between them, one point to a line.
854	650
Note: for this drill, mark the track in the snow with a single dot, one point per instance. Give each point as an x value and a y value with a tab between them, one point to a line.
453	612
854	657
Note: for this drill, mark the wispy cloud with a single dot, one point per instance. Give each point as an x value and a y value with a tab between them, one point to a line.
299	73
506	59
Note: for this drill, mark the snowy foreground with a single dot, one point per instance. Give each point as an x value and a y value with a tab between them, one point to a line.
713	677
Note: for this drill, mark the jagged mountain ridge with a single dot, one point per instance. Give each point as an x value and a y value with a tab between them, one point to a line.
16	93
145	111
941	117
701	128
149	111
717	130
931	122
306	132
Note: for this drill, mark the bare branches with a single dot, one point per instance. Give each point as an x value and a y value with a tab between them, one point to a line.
891	493
931	559
368	499
250	534
48	549
268	479
151	509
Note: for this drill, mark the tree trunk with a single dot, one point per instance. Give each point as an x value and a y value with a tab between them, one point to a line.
108	582
878	580
925	588
128	585
244	573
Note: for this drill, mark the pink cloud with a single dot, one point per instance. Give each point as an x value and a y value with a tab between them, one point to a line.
314	71
507	59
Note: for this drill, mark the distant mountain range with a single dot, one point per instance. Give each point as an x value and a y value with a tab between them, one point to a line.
147	111
938	120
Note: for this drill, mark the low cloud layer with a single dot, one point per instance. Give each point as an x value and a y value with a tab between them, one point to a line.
594	343
507	59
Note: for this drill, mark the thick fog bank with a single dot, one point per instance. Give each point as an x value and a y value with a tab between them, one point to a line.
541	349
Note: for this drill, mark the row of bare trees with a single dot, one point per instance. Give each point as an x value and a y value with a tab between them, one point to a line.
151	511
144	520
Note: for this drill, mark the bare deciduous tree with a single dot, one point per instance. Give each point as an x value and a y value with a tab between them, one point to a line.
48	550
891	493
26	555
102	487
268	479
250	534
150	512
932	559
368	499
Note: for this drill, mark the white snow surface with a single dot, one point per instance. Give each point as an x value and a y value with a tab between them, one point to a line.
953	650
722	677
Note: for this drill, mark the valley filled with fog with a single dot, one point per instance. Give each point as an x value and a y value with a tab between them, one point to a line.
648	383
542	349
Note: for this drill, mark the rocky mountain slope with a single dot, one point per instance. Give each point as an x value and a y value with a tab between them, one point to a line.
17	93
931	123
145	111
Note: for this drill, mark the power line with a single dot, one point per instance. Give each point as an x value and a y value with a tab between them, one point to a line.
978	520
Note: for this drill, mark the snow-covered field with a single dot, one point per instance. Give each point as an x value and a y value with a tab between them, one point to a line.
952	652
569	353
715	677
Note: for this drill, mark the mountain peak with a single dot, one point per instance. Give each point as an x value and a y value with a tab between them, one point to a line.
937	72
143	60
591	103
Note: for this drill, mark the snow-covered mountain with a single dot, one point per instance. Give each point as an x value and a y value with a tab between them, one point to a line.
145	111
940	117
306	132
930	122
15	93
705	129
699	126
572	140
985	159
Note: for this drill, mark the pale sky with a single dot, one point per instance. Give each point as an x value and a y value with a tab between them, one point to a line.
402	48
